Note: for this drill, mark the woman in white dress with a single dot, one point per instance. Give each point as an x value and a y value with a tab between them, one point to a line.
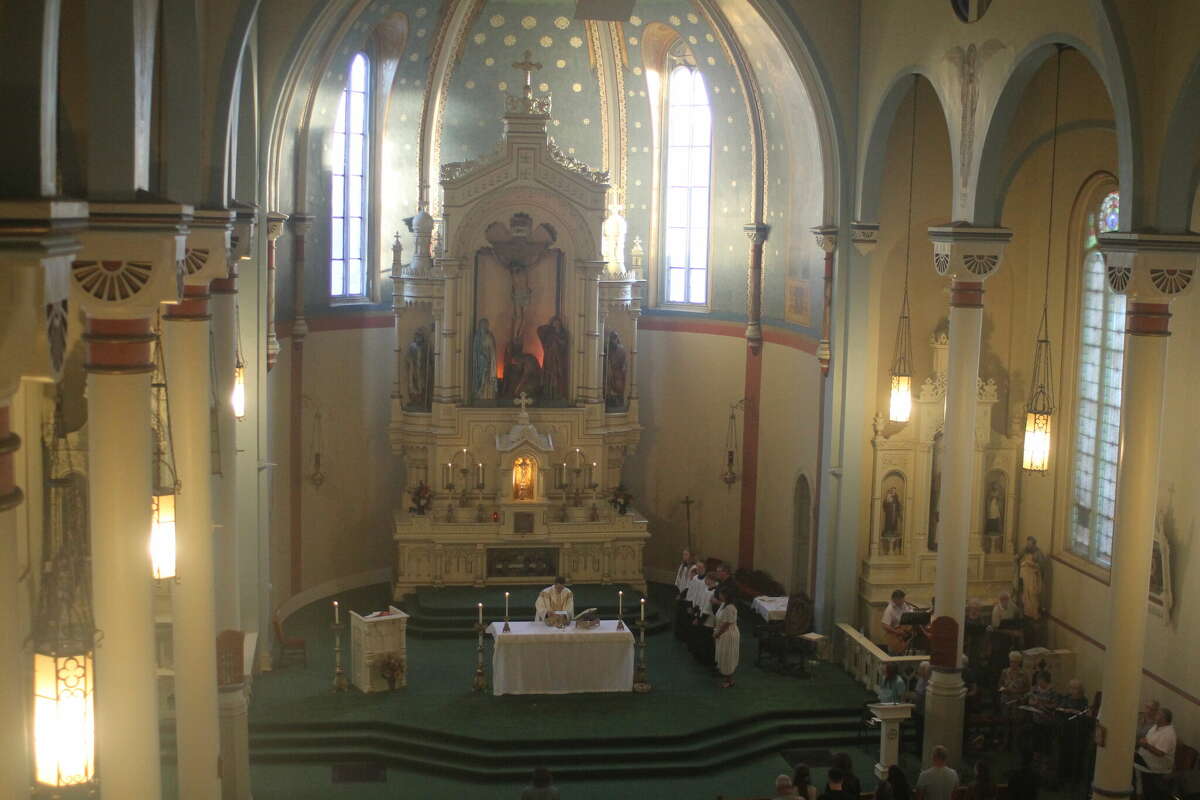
728	639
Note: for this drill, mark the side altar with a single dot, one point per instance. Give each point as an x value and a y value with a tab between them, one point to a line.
516	401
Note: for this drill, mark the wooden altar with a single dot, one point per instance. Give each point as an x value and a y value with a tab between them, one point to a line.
516	402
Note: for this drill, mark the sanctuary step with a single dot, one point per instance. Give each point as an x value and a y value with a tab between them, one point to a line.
451	612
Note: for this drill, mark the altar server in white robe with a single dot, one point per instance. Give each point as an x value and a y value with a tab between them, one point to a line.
684	573
727	637
554	598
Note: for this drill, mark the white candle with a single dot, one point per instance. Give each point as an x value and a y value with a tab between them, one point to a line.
643	609
481	613
620	599
336	616
506	605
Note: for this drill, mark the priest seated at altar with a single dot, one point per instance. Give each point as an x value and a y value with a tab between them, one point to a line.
555	598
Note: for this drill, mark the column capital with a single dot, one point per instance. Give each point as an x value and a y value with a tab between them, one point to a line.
1150	267
241	241
968	253
209	247
826	236
132	259
757	231
38	240
864	236
301	223
275	220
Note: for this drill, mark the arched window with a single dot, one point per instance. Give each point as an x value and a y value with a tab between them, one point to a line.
685	204
349	189
1098	401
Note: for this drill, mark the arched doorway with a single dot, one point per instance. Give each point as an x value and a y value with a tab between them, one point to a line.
802	542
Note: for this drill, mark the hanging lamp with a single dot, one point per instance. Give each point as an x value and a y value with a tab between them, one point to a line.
900	399
1039	411
237	397
729	475
162	471
64	633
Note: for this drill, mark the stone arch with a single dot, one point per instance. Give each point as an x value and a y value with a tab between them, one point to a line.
988	204
874	158
1176	193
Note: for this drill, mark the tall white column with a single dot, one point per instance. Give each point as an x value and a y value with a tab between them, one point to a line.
225	479
969	256
14	765
1152	270
118	393
189	388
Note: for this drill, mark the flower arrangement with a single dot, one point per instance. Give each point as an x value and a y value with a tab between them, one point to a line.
422	499
620	499
392	669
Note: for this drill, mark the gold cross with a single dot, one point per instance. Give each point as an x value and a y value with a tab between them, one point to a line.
528	66
523	400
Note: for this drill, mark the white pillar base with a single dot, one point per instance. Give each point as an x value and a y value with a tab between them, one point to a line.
945	710
235	744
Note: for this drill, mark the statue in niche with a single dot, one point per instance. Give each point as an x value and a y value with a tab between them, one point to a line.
523	479
418	359
554	360
993	518
614	372
893	518
518	247
1031	578
522	373
483	362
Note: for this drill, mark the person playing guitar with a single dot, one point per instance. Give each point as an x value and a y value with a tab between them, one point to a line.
899	636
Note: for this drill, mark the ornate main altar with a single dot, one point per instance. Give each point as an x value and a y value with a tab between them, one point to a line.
516	401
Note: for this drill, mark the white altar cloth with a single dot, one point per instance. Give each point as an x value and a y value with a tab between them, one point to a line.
536	659
770	608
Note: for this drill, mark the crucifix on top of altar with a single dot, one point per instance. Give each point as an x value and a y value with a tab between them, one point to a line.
515	401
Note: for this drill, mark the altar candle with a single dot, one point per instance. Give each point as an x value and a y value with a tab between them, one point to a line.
479	476
506	605
643	609
620	599
481	613
337	619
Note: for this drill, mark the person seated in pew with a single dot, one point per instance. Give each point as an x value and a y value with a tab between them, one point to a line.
1155	756
1014	687
554	598
893	688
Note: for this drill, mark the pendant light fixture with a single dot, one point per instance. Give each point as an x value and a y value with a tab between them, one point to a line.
162	471
1039	411
64	634
729	475
237	398
900	399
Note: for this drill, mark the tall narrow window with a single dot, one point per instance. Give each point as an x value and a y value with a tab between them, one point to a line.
348	192
1098	409
689	147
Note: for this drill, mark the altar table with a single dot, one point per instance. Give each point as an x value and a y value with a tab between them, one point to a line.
534	658
771	608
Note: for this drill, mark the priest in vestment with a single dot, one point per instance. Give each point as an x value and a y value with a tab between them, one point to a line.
554	598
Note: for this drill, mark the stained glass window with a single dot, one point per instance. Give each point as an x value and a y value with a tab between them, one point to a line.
348	190
685	227
1098	401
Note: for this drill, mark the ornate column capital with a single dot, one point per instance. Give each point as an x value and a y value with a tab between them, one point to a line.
826	236
209	245
301	223
967	253
1150	267
132	259
864	236
275	221
245	224
38	240
757	232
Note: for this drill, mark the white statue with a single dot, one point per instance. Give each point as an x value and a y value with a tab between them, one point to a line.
613	232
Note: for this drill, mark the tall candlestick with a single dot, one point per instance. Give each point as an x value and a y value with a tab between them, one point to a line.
643	609
620	599
481	613
506	605
336	615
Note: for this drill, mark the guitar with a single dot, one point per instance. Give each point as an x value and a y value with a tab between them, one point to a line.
899	637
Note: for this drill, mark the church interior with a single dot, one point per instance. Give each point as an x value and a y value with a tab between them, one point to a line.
367	365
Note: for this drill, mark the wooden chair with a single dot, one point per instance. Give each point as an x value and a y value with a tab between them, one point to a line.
289	647
780	642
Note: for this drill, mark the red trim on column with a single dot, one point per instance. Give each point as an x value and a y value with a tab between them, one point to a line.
225	285
1148	319
192	308
118	345
10	495
966	294
749	498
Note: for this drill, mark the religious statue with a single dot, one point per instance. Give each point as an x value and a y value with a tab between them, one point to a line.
614	372
554	359
418	359
483	363
518	247
522	479
893	514
993	518
1031	575
522	374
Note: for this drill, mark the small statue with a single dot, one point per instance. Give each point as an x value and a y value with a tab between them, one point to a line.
422	499
614	372
893	512
595	517
1031	578
555	374
418	359
483	365
621	498
449	512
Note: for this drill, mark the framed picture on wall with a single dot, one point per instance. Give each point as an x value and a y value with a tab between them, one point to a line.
798	310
